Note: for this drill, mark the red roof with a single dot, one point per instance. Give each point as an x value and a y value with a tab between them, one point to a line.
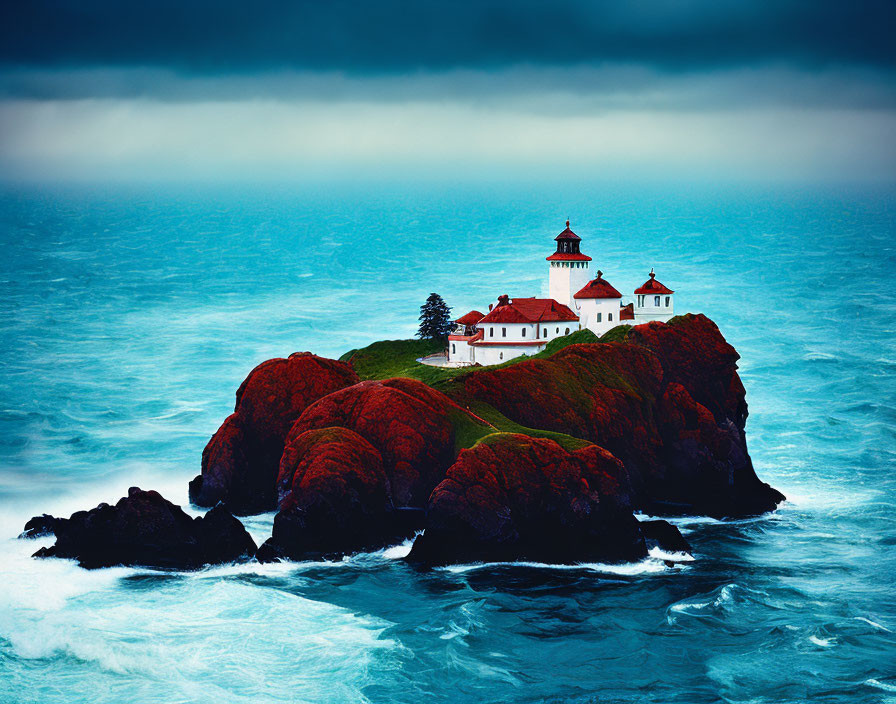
471	318
567	234
568	257
627	312
528	310
598	288
653	286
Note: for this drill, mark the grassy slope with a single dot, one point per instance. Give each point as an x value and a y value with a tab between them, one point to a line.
392	358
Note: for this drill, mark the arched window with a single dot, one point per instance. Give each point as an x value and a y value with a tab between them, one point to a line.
567	331
668	299
501	356
656	301
557	331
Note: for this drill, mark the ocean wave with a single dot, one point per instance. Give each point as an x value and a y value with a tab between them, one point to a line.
655	563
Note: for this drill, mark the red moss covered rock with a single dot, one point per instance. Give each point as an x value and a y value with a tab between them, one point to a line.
240	462
667	402
334	496
413	427
694	353
513	497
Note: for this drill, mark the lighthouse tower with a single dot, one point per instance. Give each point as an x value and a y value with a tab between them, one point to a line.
569	268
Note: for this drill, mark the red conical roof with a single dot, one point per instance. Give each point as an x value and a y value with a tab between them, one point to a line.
598	288
652	286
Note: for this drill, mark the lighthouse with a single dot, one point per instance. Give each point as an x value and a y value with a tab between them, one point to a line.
568	268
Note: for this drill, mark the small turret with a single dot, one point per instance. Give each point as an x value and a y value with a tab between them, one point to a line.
653	301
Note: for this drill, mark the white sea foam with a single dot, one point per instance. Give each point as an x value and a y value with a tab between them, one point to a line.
655	563
823	642
200	627
885	686
724	599
872	623
397	552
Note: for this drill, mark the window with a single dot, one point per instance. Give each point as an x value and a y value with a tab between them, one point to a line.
597	319
567	331
491	332
609	316
656	301
524	332
503	332
453	350
668	299
501	356
545	332
558	331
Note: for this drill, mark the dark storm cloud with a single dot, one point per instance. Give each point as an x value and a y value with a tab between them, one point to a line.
390	36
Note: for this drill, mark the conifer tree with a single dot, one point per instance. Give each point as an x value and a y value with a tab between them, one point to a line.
435	319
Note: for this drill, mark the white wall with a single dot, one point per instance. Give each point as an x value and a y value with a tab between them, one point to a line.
549	331
566	279
607	308
459	351
508	332
498	354
647	312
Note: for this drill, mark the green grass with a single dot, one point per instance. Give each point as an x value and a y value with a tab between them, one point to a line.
503	424
390	358
558	343
617	334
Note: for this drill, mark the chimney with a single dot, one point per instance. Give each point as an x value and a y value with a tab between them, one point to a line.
503	300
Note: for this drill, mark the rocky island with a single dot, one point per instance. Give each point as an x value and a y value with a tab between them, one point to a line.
545	458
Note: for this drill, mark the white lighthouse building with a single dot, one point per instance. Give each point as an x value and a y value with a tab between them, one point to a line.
523	326
568	267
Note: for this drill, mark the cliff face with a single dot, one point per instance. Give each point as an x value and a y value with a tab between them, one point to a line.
240	462
667	401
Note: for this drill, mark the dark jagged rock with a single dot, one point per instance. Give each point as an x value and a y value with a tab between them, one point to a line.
413	427
513	497
240	462
145	529
41	526
664	535
667	402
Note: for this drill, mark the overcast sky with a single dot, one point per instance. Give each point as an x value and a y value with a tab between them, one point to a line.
703	89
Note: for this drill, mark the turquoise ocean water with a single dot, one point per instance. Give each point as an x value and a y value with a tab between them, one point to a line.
130	315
